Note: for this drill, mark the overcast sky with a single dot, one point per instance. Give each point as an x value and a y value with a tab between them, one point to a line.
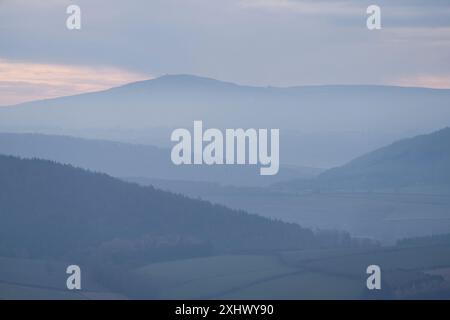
257	42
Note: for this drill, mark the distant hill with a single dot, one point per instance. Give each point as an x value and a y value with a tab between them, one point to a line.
132	160
52	210
321	126
420	164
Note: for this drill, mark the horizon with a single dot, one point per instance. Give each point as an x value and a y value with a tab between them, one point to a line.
250	42
194	76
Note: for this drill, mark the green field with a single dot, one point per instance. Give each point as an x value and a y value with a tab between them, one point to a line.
354	262
29	279
247	277
209	277
407	272
21	292
309	274
305	285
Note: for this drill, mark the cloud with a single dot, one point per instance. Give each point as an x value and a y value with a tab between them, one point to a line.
305	6
23	81
257	42
400	13
424	80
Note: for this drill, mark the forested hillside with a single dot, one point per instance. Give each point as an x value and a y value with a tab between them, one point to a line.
53	210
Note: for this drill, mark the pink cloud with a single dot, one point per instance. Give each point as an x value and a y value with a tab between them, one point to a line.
23	81
424	81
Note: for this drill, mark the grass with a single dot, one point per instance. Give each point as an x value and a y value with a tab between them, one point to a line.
22	292
354	262
25	279
209	277
308	274
308	285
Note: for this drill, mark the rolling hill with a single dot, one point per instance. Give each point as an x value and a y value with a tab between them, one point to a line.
321	126
416	165
139	242
73	213
132	160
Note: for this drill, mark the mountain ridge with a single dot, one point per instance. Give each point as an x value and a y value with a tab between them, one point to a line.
133	160
189	79
327	126
418	163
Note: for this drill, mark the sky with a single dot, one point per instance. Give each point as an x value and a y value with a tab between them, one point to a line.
252	42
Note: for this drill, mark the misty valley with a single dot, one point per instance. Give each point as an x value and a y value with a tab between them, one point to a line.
80	186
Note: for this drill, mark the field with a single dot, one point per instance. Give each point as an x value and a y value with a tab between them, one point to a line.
248	277
211	277
311	274
407	272
354	262
304	285
27	279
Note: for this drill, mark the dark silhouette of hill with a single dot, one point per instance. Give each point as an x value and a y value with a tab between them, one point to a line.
418	164
53	210
321	126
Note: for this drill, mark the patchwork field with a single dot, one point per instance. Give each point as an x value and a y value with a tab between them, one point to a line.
309	274
407	272
26	279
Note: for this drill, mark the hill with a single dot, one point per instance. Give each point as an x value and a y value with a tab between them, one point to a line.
76	213
134	160
416	165
324	125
